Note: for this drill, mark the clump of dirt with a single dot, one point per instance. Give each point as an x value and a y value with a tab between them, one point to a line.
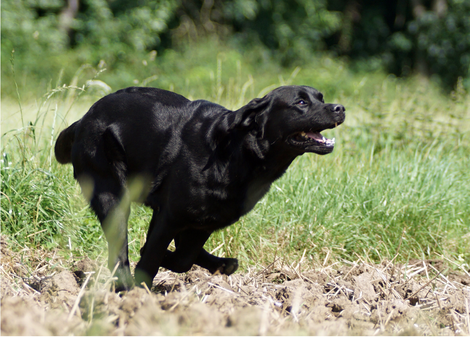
28	317
355	298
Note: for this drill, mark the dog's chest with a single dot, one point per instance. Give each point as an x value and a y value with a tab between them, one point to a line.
254	193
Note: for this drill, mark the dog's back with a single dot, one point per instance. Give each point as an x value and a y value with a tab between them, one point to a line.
117	115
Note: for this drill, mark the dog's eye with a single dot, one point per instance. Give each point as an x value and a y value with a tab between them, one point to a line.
301	102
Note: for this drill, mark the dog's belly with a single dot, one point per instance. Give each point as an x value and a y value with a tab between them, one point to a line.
212	215
215	209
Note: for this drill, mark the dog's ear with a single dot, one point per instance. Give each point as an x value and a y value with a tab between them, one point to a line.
250	120
248	115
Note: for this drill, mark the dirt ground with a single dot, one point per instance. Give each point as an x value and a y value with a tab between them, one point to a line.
354	298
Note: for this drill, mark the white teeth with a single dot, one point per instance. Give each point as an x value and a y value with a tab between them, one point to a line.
331	141
326	141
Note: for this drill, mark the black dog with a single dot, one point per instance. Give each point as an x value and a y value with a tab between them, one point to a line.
200	165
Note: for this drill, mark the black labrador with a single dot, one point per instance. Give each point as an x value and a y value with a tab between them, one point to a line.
200	166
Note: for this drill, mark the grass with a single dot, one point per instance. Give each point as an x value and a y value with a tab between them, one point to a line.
396	185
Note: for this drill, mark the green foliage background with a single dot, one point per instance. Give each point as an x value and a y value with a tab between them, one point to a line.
398	36
397	182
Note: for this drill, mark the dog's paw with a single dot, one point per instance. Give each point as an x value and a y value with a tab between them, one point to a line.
118	287
123	286
124	282
228	267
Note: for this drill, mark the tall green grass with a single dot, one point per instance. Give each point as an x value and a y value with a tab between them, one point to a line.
397	183
407	201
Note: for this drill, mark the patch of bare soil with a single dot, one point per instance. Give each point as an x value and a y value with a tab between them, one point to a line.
355	298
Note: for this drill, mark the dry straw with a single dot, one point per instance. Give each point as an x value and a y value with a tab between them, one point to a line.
344	297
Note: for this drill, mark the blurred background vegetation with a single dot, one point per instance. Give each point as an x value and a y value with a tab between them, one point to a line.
48	40
397	182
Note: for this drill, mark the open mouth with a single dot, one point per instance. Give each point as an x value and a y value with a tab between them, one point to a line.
315	137
312	141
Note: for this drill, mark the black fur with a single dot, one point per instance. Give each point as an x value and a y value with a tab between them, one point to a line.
199	166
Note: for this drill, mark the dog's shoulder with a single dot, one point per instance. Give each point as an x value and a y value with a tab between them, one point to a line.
207	109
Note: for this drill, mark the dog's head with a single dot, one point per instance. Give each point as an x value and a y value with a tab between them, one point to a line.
291	118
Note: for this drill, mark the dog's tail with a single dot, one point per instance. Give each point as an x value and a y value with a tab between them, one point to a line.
63	145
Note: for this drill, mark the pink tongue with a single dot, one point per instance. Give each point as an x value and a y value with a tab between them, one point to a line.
314	135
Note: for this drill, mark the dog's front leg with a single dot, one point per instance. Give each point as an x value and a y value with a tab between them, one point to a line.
159	237
189	245
214	264
189	251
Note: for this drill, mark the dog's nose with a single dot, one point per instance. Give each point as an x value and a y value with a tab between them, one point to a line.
339	108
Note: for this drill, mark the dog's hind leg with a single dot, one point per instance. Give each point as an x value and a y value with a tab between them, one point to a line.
112	208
